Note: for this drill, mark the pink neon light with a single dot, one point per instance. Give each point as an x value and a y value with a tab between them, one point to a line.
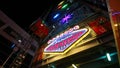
66	32
64	42
61	46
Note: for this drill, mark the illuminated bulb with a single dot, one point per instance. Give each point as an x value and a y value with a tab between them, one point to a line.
53	26
56	16
19	41
115	24
74	66
61	2
41	24
64	6
108	57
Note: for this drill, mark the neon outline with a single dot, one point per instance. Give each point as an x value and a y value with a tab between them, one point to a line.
73	43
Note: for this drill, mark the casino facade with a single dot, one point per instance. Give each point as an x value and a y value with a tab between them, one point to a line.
82	37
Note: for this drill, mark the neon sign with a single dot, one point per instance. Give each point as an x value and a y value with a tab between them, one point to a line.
64	42
63	34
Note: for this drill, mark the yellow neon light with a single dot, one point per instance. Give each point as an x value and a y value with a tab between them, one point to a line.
61	3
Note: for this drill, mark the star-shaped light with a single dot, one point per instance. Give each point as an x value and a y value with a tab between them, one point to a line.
66	18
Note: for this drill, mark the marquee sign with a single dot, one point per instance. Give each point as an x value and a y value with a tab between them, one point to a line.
64	42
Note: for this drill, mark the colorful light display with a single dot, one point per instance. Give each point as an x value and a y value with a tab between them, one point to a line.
64	42
62	5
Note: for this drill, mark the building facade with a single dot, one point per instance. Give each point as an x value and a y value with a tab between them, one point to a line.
15	40
83	37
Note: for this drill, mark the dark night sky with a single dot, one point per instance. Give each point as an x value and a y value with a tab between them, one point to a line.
26	12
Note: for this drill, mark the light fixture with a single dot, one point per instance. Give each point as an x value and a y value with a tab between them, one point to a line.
66	18
108	56
74	65
56	15
19	41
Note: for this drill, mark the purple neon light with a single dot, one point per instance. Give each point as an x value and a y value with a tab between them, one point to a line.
66	18
116	13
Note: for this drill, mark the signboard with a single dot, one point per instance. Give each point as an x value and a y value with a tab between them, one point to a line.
40	29
100	25
65	41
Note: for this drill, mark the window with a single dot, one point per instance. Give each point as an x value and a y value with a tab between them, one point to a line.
12	33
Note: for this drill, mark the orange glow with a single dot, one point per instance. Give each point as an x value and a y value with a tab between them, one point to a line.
114	4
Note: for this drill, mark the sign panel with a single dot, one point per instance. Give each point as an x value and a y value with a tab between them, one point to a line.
65	41
100	25
40	29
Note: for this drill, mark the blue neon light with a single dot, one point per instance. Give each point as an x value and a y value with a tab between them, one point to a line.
56	16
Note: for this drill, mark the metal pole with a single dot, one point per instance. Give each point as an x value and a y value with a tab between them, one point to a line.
8	59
